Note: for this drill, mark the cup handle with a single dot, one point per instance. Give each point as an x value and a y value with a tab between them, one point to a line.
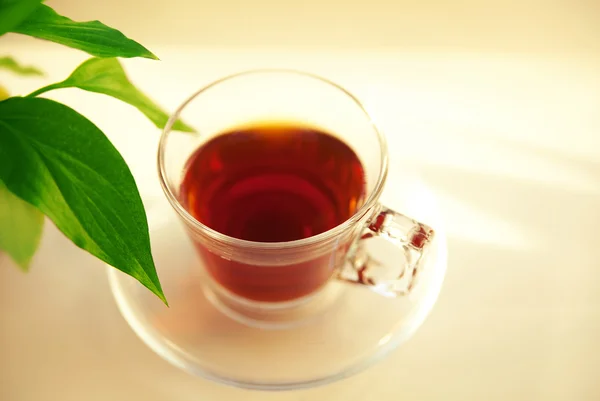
413	240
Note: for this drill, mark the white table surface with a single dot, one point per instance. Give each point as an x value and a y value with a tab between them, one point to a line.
510	144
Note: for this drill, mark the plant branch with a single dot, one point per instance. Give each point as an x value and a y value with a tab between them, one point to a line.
45	89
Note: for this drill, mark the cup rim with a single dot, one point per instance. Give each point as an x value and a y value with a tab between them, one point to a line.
370	202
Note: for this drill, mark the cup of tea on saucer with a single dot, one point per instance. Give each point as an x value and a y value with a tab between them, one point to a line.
282	266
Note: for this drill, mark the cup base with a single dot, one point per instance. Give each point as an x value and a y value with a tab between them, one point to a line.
313	341
269	315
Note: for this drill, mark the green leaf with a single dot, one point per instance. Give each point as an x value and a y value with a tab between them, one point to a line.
8	63
92	37
20	227
3	93
108	77
13	12
61	163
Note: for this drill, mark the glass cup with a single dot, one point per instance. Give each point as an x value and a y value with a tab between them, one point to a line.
278	284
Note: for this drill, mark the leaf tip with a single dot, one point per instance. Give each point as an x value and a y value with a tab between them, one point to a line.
151	55
163	298
22	263
183	127
157	290
154	287
24	266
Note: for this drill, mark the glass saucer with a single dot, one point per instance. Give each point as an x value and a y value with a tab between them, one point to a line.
350	328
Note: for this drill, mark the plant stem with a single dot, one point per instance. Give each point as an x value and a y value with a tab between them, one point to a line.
45	89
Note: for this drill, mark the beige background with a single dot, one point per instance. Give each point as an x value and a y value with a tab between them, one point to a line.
488	26
495	103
